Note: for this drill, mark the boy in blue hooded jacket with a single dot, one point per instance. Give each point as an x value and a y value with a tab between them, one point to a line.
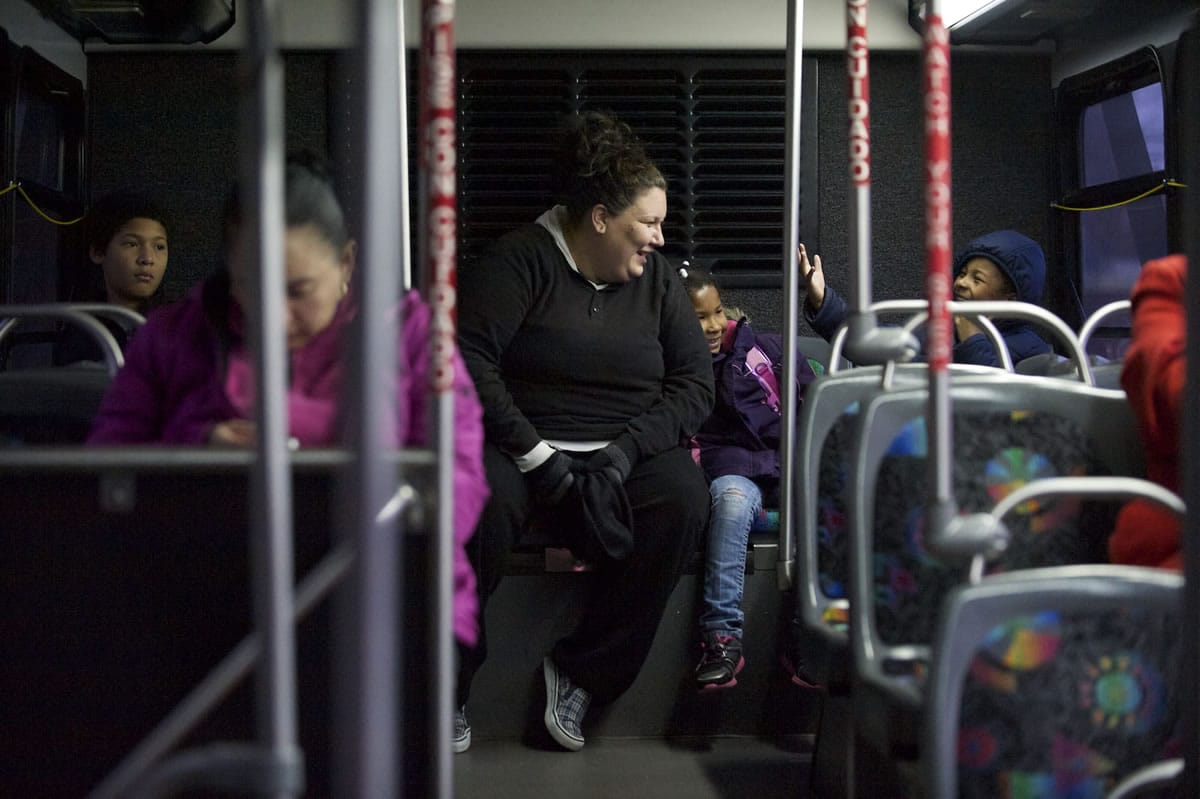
1003	265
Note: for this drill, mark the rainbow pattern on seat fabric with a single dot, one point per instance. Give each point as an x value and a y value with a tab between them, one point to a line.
1025	642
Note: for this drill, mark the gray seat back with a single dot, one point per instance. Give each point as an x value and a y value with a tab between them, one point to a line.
56	404
1009	430
1055	679
826	429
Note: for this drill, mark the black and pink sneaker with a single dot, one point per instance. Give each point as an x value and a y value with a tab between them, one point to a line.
720	662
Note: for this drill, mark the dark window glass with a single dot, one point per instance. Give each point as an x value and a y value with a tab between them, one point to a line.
1122	137
1121	153
1115	243
40	139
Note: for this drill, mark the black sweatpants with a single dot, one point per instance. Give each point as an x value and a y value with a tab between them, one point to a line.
669	500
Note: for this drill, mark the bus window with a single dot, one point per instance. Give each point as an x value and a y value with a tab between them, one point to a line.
1122	137
1113	245
1114	166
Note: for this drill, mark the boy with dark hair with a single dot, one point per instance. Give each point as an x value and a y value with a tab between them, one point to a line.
127	235
127	238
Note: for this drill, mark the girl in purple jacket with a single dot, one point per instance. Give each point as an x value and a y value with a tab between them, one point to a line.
188	377
738	448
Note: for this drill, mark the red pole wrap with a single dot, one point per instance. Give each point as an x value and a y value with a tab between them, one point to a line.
437	143
858	92
938	233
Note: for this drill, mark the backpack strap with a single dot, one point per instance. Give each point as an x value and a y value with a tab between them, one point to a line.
764	371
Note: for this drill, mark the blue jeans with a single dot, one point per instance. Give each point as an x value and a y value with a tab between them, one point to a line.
736	500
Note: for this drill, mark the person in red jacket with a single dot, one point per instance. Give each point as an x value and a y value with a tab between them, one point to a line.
1153	376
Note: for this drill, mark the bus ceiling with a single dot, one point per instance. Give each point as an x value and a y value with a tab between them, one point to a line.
141	21
1029	22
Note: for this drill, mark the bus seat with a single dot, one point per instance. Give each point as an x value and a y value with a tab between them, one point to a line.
1107	375
823	490
540	550
96	320
1058	679
1044	364
1159	780
1020	430
766	522
828	419
815	348
50	405
45	404
557	558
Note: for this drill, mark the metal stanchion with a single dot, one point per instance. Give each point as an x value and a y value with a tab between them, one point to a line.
437	254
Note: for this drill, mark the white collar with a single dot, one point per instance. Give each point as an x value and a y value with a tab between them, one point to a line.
552	220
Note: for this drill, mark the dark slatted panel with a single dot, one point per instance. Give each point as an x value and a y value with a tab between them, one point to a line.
715	125
507	117
654	100
739	147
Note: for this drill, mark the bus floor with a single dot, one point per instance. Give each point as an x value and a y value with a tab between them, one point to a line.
696	768
661	738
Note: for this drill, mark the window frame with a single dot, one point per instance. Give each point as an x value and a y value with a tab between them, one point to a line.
1073	97
35	76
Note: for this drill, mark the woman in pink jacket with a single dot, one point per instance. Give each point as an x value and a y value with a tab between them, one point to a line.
188	376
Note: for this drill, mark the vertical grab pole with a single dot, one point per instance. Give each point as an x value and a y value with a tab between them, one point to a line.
1187	90
858	107
791	291
368	746
406	279
866	342
261	187
438	251
938	244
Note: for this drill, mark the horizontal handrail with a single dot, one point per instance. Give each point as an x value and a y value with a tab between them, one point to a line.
989	329
984	535
126	317
1149	780
181	459
1091	324
12	315
920	310
976	309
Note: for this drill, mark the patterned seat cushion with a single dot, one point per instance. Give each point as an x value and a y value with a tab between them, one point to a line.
1005	450
1067	705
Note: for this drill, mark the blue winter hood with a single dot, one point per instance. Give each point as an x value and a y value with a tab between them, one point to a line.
1018	256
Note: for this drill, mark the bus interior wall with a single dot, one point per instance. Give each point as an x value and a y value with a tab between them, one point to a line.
1001	151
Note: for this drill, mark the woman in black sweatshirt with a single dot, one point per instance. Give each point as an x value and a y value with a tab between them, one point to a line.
593	374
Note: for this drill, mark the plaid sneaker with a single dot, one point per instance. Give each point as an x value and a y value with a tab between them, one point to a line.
462	731
566	705
720	661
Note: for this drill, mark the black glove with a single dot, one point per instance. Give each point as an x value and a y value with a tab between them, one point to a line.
611	459
607	518
551	481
